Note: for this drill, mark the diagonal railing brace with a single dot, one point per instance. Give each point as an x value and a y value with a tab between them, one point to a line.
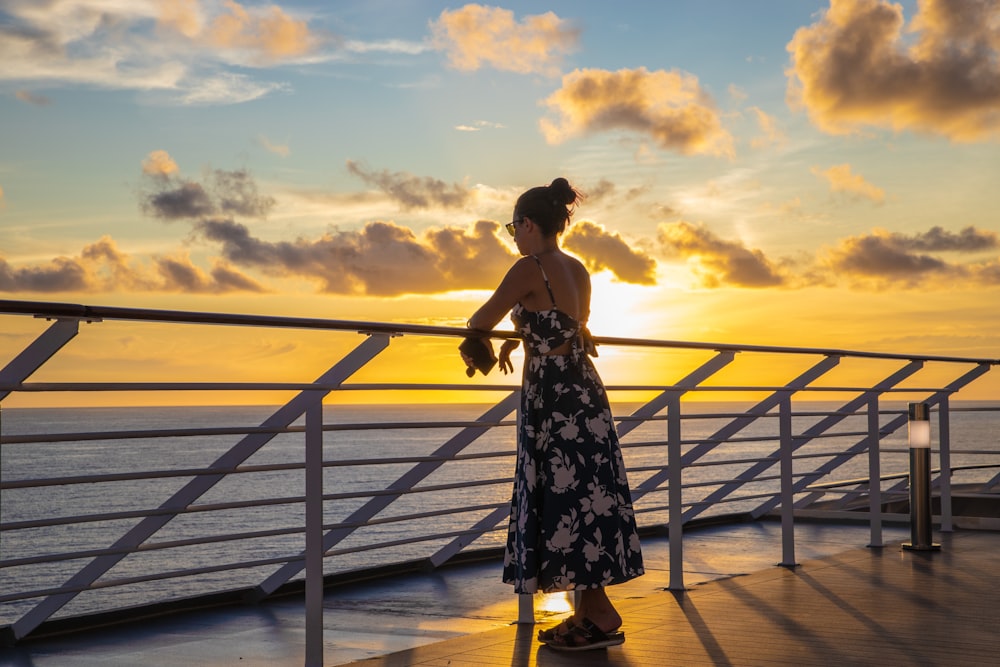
194	489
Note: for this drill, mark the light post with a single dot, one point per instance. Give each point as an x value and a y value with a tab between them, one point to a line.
919	435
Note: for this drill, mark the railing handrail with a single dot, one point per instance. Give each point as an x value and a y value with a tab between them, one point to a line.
748	471
98	313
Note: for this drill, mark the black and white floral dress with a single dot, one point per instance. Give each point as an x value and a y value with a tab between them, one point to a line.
571	523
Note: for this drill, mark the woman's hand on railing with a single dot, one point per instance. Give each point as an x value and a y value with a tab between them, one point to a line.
508	346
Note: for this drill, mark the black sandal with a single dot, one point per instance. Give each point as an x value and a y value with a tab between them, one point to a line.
585	637
549	634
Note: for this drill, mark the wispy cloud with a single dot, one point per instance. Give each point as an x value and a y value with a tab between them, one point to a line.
770	134
669	108
171	197
413	192
862	66
475	36
843	180
271	147
173	52
479	125
29	97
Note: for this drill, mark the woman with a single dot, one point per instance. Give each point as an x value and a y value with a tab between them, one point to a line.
572	526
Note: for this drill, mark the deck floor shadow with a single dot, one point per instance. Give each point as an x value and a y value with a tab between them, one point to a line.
885	606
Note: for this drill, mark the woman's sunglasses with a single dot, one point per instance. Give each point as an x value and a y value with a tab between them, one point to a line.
513	224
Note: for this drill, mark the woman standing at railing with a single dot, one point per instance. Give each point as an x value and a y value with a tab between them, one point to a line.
572	526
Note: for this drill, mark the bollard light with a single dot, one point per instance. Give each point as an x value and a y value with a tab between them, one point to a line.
919	426
919	435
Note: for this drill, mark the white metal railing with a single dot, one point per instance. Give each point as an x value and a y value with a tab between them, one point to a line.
779	451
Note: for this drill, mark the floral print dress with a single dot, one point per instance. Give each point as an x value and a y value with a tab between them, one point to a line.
571	523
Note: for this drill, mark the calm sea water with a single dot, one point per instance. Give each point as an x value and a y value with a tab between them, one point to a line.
643	450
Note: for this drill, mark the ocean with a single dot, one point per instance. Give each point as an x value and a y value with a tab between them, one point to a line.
361	461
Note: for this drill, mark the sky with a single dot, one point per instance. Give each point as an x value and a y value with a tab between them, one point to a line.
789	172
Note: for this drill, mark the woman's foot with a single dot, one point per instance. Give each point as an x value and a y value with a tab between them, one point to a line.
549	634
585	636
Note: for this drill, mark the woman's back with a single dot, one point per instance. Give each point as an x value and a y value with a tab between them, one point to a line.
560	282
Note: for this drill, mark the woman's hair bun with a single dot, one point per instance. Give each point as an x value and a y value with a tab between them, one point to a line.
563	192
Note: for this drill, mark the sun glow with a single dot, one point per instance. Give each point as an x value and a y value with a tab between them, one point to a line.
619	309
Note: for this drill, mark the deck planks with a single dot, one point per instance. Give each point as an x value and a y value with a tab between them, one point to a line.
865	606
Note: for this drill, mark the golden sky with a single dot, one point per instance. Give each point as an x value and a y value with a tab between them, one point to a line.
794	173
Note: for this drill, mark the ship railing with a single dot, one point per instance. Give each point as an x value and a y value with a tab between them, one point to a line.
698	447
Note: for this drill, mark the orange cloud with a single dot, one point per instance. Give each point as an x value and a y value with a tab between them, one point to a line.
184	16
841	179
669	107
600	249
715	261
476	35
159	163
859	66
267	33
270	31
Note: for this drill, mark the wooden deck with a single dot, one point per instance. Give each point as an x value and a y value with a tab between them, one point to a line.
862	607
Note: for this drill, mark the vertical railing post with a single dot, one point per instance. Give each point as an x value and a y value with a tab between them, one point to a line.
944	442
314	534
674	493
787	480
919	435
874	474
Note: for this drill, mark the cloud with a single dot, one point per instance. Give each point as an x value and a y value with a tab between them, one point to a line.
715	261
768	126
670	108
480	125
32	98
102	267
381	259
861	66
476	35
413	192
877	256
937	239
226	192
278	149
159	163
600	249
188	52
890	258
268	33
841	179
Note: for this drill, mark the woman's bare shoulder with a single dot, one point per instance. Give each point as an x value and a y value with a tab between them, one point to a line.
577	267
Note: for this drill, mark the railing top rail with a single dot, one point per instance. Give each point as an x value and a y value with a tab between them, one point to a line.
97	313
